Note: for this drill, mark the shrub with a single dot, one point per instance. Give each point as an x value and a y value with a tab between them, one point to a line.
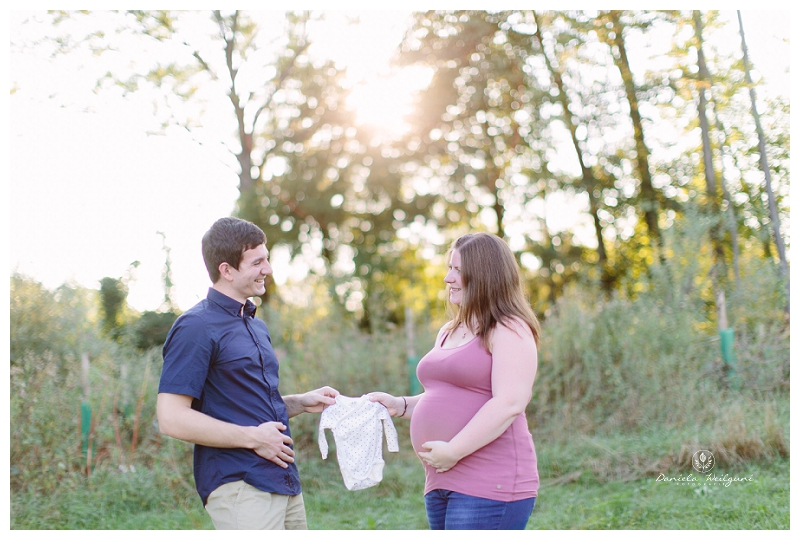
652	355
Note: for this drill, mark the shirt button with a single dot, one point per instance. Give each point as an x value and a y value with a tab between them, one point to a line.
499	486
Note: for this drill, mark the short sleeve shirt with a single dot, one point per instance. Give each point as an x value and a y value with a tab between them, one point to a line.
225	361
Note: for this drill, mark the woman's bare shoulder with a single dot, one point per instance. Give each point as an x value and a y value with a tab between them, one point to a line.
513	327
442	330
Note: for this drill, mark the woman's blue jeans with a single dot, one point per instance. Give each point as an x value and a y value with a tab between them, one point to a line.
450	510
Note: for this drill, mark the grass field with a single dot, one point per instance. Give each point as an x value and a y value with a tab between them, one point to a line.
134	500
647	503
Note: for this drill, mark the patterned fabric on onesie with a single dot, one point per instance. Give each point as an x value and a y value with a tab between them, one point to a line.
356	427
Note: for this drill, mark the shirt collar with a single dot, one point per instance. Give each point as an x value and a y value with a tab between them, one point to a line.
249	309
234	307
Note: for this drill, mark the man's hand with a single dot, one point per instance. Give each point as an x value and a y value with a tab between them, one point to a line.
272	444
313	401
176	418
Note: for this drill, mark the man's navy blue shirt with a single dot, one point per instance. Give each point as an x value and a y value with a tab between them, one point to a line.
226	363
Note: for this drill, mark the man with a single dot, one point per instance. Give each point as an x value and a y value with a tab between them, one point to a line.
219	390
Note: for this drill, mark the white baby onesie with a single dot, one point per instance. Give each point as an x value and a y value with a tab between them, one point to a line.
356	427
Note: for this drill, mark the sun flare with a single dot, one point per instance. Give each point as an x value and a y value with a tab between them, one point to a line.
383	101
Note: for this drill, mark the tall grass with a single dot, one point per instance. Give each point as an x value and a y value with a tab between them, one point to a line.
649	363
54	450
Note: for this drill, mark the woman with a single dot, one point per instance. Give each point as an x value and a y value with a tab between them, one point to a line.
468	427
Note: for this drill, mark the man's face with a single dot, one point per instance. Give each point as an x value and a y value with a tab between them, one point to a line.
248	280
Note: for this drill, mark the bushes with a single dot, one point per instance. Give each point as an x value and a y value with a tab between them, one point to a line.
151	329
51	332
651	355
47	331
619	364
128	468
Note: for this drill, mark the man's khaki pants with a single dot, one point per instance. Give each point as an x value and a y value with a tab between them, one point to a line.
238	505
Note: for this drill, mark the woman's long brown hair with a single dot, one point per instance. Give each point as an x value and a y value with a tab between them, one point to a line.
492	288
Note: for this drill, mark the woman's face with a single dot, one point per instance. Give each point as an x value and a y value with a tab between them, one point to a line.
453	278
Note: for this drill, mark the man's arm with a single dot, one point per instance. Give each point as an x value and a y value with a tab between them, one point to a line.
177	419
312	402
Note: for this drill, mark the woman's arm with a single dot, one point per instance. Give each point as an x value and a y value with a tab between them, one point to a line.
514	363
398	406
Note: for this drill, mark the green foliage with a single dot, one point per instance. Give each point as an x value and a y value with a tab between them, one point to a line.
113	294
652	356
51	332
39	318
151	329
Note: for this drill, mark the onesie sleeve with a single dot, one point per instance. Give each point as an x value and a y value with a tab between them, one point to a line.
389	429
325	422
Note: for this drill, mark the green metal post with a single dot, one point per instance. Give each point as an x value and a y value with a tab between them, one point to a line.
413	383
726	339
411	358
86	424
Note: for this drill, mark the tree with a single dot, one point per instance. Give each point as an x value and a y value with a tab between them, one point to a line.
473	119
589	182
510	99
773	209
113	294
292	135
735	156
649	198
303	165
166	276
718	267
150	329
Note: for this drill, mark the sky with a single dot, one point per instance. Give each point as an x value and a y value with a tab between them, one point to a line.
90	191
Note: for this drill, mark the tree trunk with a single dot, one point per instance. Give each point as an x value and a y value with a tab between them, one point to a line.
773	208
589	181
718	269
649	199
246	181
730	213
499	209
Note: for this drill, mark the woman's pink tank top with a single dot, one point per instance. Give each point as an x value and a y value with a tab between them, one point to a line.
458	382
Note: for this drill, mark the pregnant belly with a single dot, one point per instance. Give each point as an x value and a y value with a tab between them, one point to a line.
439	418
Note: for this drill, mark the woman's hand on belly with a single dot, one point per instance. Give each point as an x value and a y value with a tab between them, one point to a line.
439	456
